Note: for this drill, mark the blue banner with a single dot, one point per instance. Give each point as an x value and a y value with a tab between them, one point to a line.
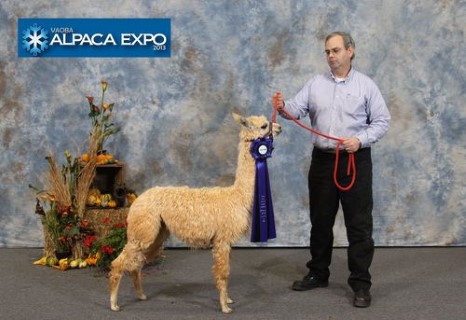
263	222
48	38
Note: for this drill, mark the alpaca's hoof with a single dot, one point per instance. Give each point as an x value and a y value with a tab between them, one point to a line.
230	301
115	308
226	309
142	296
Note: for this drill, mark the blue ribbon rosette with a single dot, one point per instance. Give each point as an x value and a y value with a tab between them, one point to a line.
263	223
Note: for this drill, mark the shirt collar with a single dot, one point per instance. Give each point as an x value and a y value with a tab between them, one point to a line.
348	78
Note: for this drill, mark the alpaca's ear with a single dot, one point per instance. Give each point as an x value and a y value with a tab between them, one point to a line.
239	119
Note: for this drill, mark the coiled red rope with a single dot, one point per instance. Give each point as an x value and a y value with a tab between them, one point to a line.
351	161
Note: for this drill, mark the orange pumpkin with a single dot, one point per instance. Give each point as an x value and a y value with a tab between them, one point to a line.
101	159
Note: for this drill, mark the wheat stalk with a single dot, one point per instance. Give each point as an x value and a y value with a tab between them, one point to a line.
58	186
86	176
87	173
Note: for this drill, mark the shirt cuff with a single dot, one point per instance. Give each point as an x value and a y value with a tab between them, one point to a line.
363	139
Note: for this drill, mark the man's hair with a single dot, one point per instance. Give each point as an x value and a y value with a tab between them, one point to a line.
347	40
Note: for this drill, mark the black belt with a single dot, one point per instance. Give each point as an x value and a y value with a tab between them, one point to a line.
334	150
329	150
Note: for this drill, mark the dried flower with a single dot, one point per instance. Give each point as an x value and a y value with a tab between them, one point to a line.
104	85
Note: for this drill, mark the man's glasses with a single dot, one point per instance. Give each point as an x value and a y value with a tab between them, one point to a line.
334	51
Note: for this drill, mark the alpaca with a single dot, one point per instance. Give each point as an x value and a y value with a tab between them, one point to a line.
201	217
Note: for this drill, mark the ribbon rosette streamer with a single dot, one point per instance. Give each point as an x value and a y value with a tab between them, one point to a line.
263	224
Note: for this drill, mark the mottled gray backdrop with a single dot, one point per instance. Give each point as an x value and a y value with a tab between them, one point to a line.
232	55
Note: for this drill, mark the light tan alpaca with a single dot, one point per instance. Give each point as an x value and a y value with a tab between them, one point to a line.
203	217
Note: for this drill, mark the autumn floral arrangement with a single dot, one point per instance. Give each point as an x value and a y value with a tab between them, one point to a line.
69	237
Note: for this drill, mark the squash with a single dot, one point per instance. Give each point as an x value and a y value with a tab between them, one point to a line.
131	197
94	192
91	200
97	202
105	199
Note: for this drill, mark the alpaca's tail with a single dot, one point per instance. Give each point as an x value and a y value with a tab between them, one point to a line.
141	233
131	258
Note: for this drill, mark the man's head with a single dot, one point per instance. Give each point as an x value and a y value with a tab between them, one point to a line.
339	49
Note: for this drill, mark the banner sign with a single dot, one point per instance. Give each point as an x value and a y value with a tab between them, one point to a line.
49	38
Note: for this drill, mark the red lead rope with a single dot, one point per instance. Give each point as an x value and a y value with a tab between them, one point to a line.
351	161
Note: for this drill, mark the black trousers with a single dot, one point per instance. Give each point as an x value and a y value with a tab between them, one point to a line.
357	204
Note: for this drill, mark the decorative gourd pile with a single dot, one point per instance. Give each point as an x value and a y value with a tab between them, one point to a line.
66	263
96	199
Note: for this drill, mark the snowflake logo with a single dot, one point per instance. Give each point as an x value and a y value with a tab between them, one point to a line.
35	40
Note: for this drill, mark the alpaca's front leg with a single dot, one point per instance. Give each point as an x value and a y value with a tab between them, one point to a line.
221	271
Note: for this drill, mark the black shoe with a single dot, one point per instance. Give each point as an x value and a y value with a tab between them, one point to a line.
362	298
309	282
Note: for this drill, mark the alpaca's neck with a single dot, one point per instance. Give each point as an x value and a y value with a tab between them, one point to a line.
246	170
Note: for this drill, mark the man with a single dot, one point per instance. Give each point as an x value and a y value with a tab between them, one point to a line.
347	104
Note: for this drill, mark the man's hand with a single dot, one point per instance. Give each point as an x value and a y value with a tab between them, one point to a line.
351	145
277	101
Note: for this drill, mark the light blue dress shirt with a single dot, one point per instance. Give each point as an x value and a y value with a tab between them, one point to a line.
342	108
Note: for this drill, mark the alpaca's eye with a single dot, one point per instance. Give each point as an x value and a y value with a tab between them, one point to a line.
264	126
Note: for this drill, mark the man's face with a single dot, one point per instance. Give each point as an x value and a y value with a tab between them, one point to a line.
338	57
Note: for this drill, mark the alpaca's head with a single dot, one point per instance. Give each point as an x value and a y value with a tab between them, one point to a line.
257	127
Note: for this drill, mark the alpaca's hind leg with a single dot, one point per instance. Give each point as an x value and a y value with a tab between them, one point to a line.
221	271
136	276
131	260
115	275
154	251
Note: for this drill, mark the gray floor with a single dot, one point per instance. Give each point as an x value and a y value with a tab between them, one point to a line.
409	283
